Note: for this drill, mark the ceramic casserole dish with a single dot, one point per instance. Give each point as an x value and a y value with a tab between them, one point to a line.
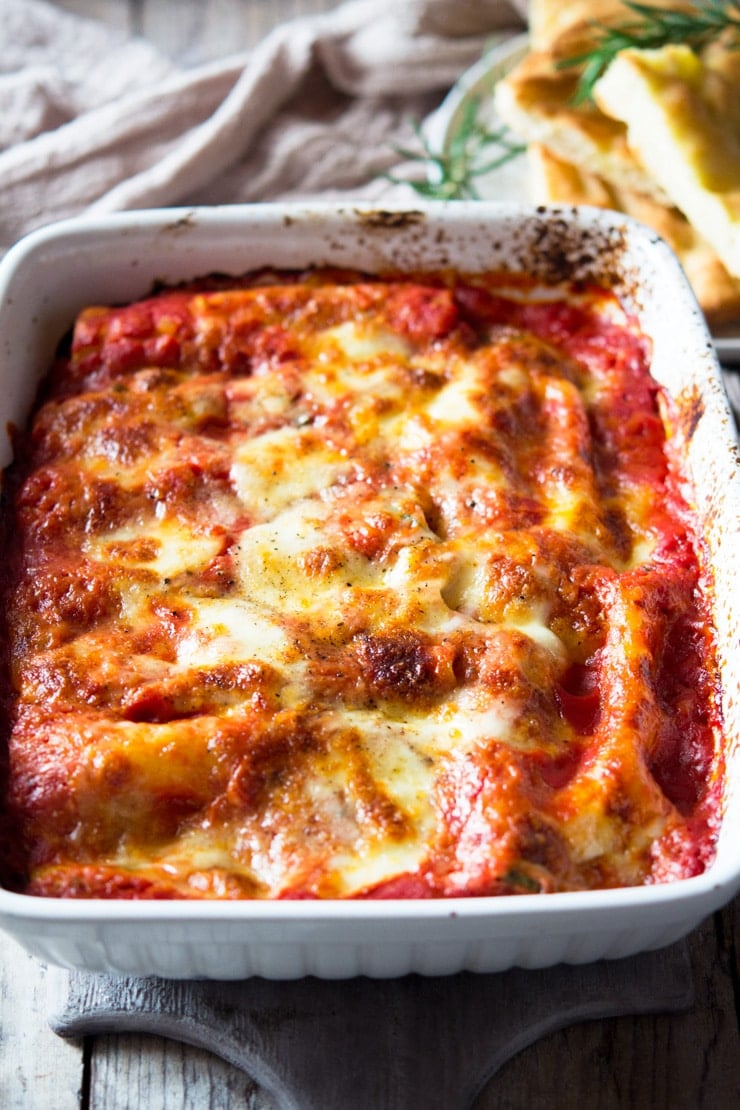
48	277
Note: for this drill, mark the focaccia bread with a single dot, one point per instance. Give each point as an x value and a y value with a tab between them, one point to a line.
660	141
553	181
550	21
537	98
682	114
328	586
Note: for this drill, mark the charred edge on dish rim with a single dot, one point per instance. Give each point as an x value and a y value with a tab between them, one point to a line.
690	409
561	251
385	218
183	223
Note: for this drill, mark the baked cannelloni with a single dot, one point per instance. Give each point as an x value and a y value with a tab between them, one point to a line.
323	585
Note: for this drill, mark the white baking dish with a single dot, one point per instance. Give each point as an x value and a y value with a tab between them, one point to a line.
44	281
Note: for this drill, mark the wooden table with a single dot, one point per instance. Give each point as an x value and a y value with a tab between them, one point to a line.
678	1062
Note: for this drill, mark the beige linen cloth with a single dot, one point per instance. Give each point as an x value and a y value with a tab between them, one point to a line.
92	122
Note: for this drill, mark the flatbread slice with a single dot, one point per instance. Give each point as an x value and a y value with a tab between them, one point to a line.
554	181
536	98
682	114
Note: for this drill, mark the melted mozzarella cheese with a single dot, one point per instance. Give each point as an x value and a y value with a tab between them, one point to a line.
164	546
351	649
275	469
296	561
362	341
455	404
232	630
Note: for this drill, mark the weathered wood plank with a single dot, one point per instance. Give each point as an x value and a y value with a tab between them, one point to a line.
38	1070
677	1062
682	1062
686	1062
113	13
191	31
390	1043
132	1072
194	31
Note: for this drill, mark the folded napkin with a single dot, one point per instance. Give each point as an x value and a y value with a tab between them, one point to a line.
93	122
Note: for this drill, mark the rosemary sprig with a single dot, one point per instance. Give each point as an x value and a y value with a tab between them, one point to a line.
654	27
473	150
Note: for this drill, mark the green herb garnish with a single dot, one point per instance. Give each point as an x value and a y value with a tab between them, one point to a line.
473	150
654	27
519	879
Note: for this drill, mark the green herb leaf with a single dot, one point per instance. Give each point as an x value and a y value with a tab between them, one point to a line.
653	28
451	174
516	878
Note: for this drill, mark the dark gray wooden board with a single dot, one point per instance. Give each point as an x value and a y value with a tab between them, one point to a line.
391	1044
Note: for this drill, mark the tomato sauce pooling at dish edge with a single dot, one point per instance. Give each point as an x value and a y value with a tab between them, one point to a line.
322	585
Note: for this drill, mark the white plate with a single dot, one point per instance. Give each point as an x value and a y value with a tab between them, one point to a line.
47	278
509	182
